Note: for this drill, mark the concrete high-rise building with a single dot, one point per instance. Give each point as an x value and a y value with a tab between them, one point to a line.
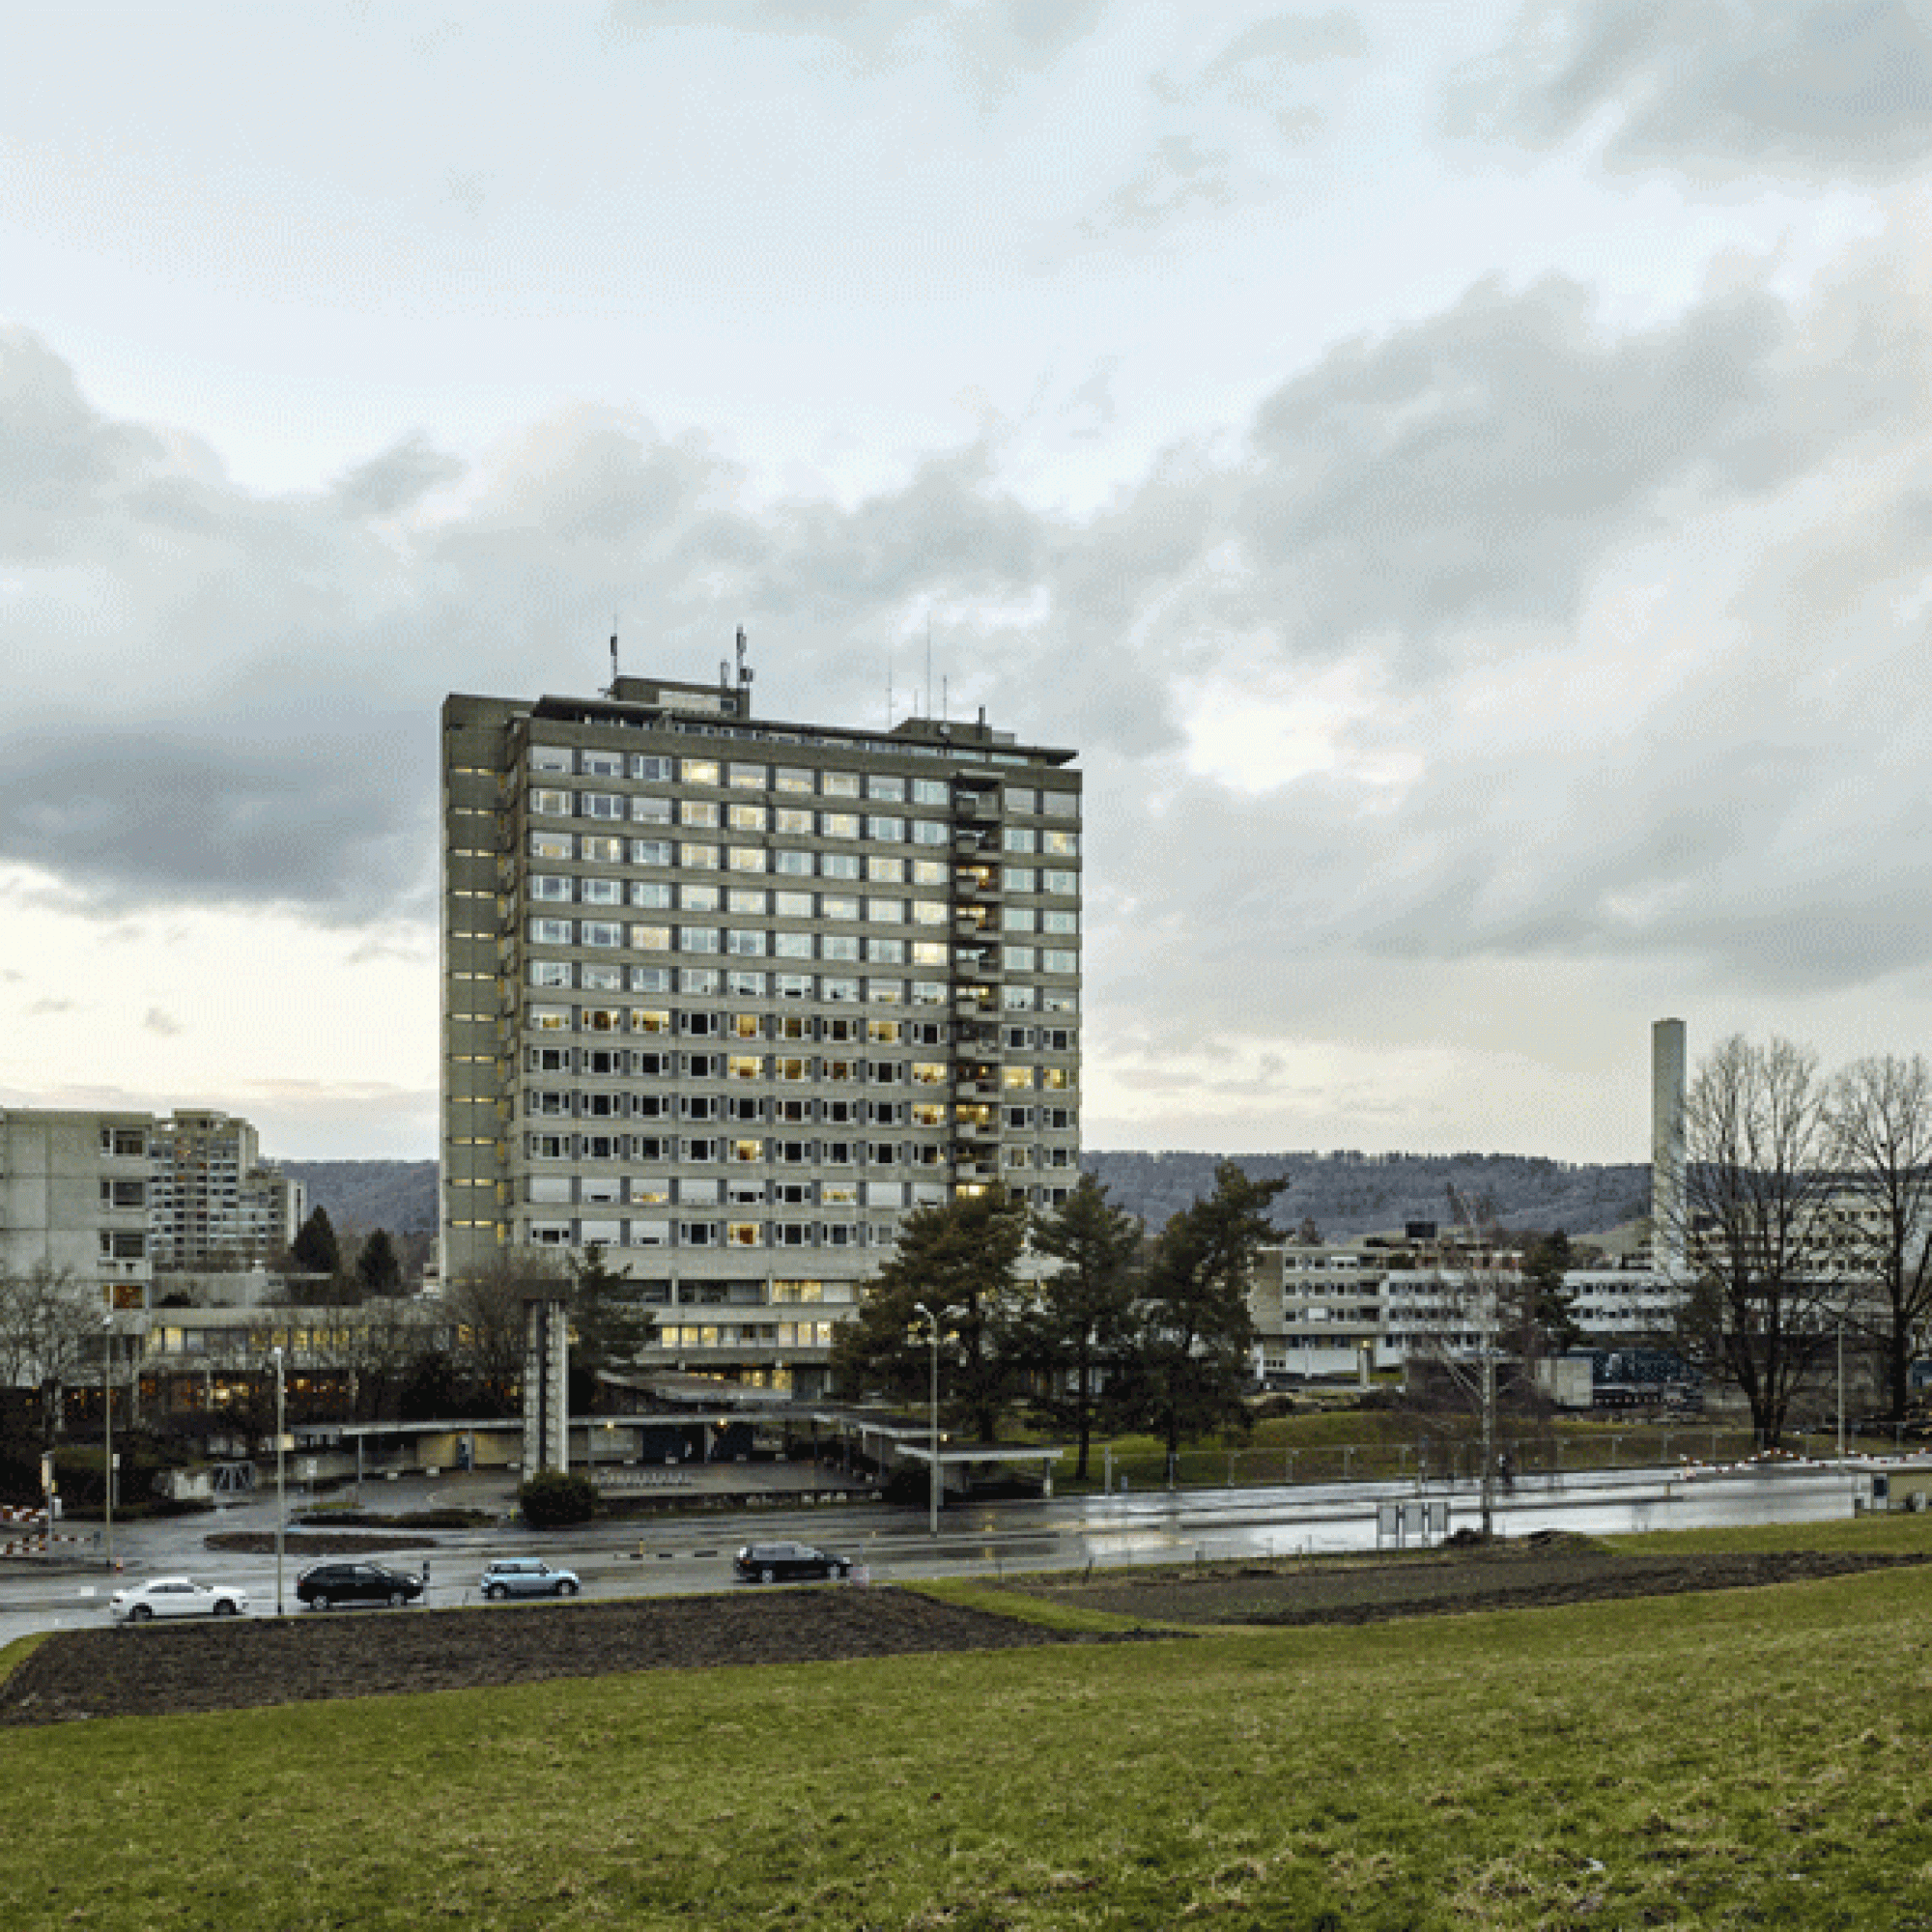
215	1201
726	995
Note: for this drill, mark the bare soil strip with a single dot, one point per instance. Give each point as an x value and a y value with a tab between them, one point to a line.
230	1664
1510	1577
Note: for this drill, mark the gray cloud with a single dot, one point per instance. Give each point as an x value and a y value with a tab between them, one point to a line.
1811	88
155	1020
1451	512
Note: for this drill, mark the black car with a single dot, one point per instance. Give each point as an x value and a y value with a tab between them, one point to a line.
787	1562
323	1585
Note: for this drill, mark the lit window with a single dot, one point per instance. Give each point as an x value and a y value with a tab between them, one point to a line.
701	771
650	938
699	857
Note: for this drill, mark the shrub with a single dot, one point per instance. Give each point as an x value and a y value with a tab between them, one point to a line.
551	1500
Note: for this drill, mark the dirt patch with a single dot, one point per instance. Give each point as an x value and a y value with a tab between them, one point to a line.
1533	1575
149	1669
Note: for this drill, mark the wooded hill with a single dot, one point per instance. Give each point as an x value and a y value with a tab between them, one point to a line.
1344	1194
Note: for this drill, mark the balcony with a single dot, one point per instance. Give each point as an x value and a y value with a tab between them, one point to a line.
977	883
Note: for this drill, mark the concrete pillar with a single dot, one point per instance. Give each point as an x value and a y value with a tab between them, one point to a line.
546	1387
1667	1148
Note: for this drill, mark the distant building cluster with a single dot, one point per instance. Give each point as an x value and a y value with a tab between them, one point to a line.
114	1197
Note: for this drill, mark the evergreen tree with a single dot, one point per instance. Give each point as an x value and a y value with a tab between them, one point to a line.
961	1256
1083	1306
314	1250
608	1324
1550	1309
376	1266
1189	1364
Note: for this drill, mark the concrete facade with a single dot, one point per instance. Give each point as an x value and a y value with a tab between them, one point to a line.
726	996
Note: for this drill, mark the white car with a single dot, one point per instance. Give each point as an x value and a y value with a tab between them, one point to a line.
175	1596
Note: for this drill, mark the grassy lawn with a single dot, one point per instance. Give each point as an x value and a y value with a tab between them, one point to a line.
1747	1758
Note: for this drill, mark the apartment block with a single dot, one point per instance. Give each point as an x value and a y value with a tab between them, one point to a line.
111	1197
727	995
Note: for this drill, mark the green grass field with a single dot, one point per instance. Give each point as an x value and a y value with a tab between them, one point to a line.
1750	1758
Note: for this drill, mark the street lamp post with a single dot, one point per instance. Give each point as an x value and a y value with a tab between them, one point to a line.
1841	1385
281	1492
108	1422
932	1473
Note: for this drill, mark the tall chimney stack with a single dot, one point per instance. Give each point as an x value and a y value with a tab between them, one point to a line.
1667	1148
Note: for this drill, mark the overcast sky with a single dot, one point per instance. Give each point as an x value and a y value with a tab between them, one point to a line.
1461	477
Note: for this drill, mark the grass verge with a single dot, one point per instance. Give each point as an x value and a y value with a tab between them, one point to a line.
1751	1758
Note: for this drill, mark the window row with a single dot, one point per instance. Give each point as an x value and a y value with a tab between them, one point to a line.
709	982
660	1191
835	1030
739	1150
824	1069
662	896
551	1104
792	781
593	935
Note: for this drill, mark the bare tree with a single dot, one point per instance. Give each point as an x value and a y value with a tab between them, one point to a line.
486	1309
1762	1299
50	1329
1881	1137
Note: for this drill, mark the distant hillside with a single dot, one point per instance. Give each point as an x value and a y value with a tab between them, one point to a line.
399	1195
1345	1195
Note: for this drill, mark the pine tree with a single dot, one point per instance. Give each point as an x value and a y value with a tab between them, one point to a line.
314	1250
376	1266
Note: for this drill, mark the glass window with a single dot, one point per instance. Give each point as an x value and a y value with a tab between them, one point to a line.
881	786
601	764
550	972
548	803
839	785
697	939
886	952
699	898
1061	844
839	824
929	872
891	830
1016	918
839	865
750	777
551	845
885	872
792	985
698	812
647	809
1059	804
791	778
932	792
703	979
839	946
886	911
838	905
648	766
600	805
790	822
829	988
745	943
653	895
748	818
1021	838
793	864
1017	958
1051	921
549	886
600	933
600	850
549	759
745	985
551	931
1019	878
602	978
1054	960
699	857
650	851
650	939
792	944
701	771
885	992
792	905
1022	798
746	899
601	892
928	832
650	979
928	993
1059	882
931	952
929	911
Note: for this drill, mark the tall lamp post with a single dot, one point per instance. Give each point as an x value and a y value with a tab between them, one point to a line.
932	1321
280	1492
108	1421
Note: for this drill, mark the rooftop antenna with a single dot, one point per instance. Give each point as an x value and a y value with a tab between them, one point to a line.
929	664
613	691
944	699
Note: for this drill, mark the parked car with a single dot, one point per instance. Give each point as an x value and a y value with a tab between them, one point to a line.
323	1585
175	1596
786	1562
526	1576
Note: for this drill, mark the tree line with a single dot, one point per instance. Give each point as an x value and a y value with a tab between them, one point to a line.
1803	1220
1125	1332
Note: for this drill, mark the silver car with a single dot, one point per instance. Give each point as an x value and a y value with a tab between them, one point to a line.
175	1596
526	1577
